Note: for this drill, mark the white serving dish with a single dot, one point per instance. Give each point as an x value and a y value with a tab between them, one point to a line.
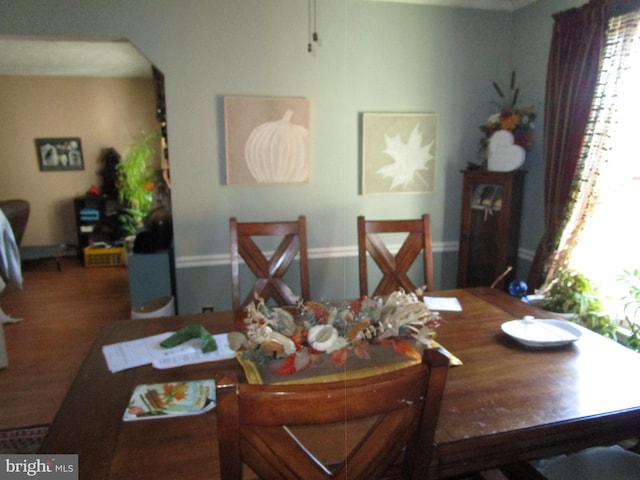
542	333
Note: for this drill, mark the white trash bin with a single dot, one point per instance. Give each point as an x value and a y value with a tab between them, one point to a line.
158	307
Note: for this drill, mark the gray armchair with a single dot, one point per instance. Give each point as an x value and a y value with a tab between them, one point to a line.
17	212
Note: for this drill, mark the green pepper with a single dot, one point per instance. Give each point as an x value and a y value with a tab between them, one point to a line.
189	332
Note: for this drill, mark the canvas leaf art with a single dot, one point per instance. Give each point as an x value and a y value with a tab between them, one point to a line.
398	153
267	140
408	159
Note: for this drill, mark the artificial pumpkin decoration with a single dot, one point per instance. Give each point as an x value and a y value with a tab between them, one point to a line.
276	152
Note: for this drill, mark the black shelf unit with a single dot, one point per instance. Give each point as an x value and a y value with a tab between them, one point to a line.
97	220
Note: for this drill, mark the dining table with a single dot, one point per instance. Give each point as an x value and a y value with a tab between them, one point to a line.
506	403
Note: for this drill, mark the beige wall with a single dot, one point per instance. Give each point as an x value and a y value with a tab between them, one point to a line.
102	112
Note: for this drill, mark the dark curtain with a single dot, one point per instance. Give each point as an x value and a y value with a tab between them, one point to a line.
574	58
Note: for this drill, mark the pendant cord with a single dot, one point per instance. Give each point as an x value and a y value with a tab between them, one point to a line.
315	21
312	30
309	48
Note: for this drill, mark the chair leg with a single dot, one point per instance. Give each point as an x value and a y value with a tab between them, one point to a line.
632	444
521	471
493	474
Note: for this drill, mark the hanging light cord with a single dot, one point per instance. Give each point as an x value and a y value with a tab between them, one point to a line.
313	35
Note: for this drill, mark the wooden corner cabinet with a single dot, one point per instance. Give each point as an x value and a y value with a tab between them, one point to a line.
489	227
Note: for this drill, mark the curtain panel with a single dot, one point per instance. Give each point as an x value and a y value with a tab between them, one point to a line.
572	71
575	56
605	145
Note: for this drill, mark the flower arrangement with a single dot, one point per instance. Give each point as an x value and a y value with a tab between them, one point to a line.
316	329
518	121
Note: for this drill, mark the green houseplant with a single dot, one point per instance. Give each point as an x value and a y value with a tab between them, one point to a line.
136	182
571	292
630	279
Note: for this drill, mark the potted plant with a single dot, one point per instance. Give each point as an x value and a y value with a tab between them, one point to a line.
572	293
136	182
630	279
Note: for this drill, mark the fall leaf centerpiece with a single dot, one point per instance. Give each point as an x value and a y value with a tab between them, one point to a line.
509	117
315	330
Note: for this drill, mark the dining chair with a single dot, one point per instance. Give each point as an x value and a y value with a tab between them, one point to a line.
593	463
612	463
395	268
351	429
269	273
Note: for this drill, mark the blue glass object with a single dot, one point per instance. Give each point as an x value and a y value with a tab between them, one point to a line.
518	288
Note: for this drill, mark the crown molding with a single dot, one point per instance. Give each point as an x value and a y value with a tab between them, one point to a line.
506	5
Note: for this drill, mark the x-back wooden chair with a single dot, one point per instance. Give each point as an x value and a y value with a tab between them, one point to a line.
394	268
307	431
269	273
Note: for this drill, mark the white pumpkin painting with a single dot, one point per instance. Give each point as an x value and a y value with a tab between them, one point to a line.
276	152
267	140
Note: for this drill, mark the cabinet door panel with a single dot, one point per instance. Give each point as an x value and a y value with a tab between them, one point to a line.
489	227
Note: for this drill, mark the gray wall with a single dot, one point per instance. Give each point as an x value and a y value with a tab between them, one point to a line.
372	57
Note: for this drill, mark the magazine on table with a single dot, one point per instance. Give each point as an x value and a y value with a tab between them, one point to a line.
170	399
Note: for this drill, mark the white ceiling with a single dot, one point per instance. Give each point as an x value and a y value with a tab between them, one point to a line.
28	56
55	57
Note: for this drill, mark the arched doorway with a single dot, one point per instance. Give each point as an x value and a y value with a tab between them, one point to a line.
104	91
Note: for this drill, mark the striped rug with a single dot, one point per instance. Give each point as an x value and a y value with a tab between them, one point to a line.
22	440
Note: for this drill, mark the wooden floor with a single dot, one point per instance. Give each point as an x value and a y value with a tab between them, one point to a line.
61	313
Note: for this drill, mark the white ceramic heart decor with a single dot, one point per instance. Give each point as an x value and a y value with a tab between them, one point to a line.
504	155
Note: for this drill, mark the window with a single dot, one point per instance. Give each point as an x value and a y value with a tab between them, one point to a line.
607	241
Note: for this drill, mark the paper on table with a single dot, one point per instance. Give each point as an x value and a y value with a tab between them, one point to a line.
439	304
134	353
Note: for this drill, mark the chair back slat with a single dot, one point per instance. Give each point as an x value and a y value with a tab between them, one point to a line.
395	268
298	431
268	272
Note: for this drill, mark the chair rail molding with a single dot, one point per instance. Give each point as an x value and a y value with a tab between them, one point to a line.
222	259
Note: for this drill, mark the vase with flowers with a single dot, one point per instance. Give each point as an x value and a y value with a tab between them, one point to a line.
514	123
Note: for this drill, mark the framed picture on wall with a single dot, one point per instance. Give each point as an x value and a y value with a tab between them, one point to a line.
59	154
398	152
267	140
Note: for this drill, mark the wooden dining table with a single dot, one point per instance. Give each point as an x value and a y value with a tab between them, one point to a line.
506	403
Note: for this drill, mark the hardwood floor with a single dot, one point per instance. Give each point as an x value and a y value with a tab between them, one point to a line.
62	311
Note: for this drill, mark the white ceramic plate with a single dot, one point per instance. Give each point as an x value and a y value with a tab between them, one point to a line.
541	332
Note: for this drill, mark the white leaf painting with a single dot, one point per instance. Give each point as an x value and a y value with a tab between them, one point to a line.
408	159
398	152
